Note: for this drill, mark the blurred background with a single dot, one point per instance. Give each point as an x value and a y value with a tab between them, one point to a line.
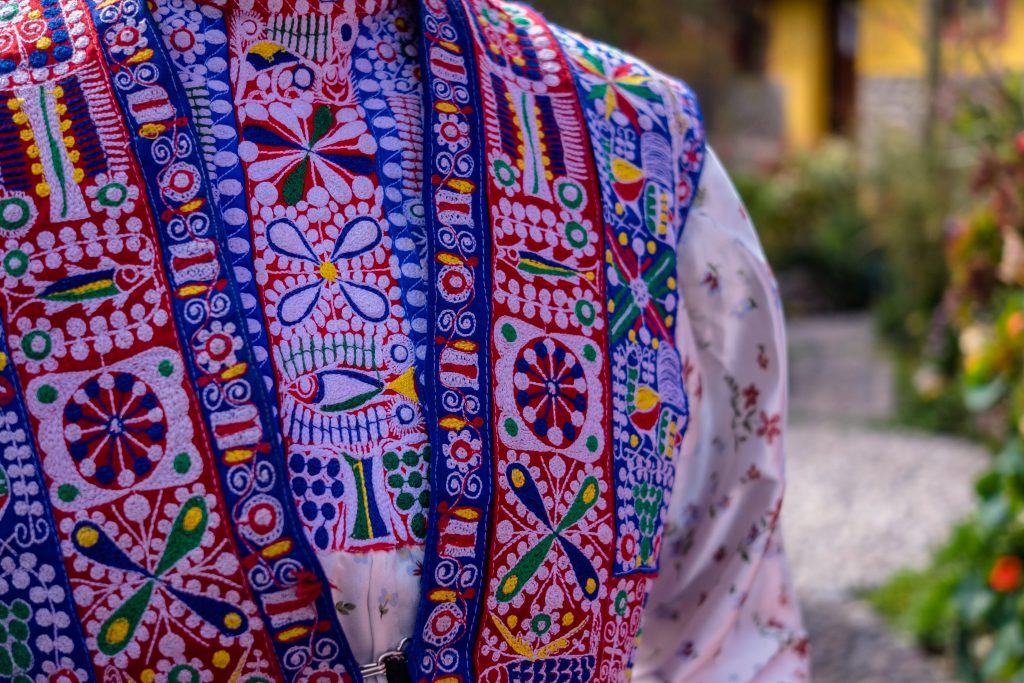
879	145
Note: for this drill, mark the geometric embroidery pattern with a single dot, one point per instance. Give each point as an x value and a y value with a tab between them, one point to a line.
313	206
42	635
329	268
296	612
549	567
458	353
638	124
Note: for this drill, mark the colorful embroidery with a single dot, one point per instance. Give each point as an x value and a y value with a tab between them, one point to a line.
41	40
42	637
338	266
79	294
553	510
457	355
386	76
638	130
161	262
197	43
298	616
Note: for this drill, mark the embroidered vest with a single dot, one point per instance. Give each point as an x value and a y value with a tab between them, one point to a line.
263	309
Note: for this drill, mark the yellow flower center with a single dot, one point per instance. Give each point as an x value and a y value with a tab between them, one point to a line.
328	271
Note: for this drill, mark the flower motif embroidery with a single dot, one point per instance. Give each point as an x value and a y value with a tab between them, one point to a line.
551	391
524	487
617	87
112	194
751	395
645	299
126	38
217	347
302	148
452	131
770	428
185	535
359	236
115	428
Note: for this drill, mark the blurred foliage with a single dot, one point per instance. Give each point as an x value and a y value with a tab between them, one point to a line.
815	230
909	196
910	192
846	235
926	399
845	230
971	601
922	602
693	39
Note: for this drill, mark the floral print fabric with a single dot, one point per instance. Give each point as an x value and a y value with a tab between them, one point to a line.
723	607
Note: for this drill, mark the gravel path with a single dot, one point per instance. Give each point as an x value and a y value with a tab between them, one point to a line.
862	502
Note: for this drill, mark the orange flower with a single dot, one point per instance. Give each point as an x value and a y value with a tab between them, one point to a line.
1015	324
1006	575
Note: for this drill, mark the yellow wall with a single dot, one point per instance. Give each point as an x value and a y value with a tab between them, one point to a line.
798	64
891	38
890	45
891	42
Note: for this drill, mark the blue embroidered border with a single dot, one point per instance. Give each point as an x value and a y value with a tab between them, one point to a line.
458	359
323	644
642	465
218	137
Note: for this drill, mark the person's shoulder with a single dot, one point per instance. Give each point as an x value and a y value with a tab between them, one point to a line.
622	84
619	69
632	96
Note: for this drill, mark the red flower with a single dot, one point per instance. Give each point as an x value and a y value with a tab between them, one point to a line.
1006	575
750	396
1020	142
770	428
1015	324
711	280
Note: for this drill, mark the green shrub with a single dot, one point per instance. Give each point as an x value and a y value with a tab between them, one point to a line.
924	602
908	196
971	601
814	230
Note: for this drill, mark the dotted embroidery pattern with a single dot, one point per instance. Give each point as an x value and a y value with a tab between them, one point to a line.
284	574
458	355
197	43
329	277
154	572
42	637
649	145
546	610
41	40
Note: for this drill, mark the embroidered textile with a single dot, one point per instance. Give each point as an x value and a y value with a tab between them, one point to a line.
334	328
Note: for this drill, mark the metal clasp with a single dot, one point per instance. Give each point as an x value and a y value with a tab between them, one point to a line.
380	667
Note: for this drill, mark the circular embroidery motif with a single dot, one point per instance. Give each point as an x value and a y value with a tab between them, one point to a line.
115	428
551	391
